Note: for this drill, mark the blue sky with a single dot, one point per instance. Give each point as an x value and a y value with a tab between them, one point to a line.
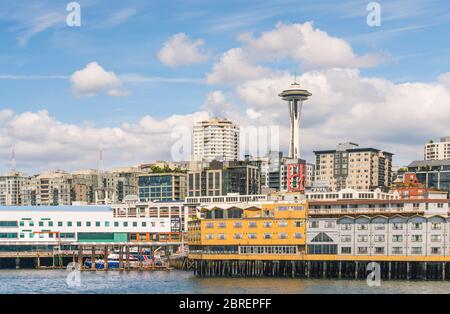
39	53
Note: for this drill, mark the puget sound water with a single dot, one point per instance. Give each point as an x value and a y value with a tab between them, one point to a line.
174	282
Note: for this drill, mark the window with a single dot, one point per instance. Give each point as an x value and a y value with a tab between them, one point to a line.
379	238
252	224
50	223
397	226
88	223
41	223
125	224
97	223
435	250
416	238
222	225
397	250
363	227
363	238
106	223
379	250
60	224
435	238
238	236
252	236
134	223
313	224
238	224
346	250
8	224
298	235
362	250
144	224
221	236
209	236
267	236
209	225
346	238
346	227
329	224
283	235
298	224
78	223
267	224
397	238
116	223
69	224
416	226
436	226
416	250
379	226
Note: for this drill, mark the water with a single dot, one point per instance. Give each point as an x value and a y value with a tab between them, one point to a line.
54	281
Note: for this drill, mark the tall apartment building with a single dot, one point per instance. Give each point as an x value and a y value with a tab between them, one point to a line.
215	139
10	186
349	166
92	186
437	151
221	178
48	189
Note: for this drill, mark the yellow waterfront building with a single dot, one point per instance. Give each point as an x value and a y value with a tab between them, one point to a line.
260	231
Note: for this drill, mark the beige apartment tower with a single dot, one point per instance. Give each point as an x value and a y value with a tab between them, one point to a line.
349	166
215	139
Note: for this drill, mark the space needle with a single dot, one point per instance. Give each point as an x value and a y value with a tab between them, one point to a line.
294	96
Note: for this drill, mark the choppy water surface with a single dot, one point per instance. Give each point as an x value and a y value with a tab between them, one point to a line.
54	281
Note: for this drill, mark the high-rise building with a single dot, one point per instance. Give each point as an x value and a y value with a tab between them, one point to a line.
349	166
215	139
222	178
48	189
437	151
10	186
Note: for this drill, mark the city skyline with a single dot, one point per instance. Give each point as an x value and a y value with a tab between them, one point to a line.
67	92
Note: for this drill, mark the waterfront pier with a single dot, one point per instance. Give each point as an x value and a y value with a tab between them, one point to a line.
388	270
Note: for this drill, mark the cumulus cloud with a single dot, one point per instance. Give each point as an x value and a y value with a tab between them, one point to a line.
181	50
43	142
300	43
94	79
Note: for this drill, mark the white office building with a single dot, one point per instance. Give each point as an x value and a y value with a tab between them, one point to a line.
437	151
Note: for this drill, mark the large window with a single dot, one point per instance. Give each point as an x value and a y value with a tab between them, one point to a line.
8	224
322	249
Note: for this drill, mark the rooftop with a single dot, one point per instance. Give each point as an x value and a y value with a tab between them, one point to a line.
90	208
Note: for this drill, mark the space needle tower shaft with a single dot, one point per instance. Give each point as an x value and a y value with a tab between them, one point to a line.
294	96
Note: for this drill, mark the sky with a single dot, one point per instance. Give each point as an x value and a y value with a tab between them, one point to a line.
135	75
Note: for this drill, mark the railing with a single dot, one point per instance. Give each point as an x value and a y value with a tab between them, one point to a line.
347	211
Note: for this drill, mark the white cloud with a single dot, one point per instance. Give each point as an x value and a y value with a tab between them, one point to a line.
93	79
346	106
42	142
181	50
300	43
217	105
444	79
